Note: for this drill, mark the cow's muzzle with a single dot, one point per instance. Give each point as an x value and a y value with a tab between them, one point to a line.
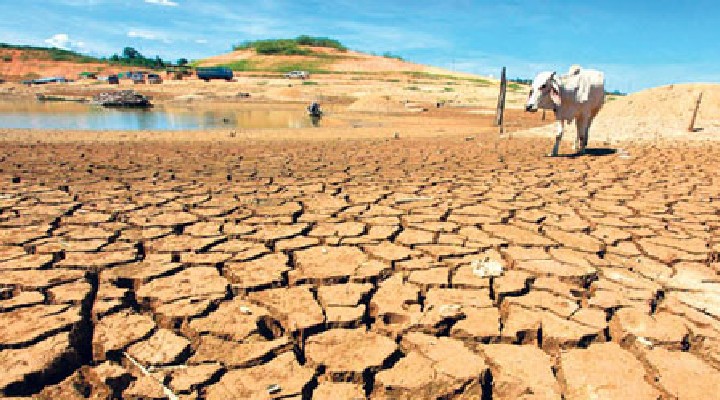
530	109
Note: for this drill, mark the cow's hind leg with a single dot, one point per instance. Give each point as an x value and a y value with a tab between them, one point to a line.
587	126
581	139
558	137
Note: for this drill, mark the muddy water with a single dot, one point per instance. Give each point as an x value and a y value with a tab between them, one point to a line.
78	116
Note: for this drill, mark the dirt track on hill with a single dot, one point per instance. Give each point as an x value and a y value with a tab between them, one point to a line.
355	268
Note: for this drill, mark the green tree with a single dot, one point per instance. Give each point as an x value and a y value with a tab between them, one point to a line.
131	53
182	61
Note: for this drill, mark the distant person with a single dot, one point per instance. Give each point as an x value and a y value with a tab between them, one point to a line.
314	109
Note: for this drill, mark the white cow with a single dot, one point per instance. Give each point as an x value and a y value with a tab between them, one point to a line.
579	95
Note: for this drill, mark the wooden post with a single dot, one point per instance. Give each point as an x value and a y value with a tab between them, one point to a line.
691	128
501	101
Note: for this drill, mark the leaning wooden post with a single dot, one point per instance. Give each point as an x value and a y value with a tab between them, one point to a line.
691	128
501	101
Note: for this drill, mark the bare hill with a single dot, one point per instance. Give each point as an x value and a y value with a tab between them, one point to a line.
321	59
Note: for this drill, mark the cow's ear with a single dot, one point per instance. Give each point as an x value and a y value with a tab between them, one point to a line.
555	94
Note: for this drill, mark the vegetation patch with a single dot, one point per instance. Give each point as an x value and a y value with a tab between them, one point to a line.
450	79
49	53
305	40
309	83
241	65
289	47
388	54
311	66
515	87
521	81
480	81
616	93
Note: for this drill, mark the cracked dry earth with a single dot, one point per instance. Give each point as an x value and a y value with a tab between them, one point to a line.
341	269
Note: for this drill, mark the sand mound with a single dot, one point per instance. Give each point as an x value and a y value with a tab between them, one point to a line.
384	103
291	93
660	113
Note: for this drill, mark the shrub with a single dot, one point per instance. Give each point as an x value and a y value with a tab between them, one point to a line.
305	40
388	54
309	83
286	47
289	47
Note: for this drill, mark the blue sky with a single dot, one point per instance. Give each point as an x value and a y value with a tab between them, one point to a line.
639	44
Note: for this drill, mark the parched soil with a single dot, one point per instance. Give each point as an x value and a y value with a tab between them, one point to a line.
379	268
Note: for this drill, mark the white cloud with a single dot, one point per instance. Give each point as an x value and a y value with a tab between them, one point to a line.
167	3
149	35
63	41
143	35
201	41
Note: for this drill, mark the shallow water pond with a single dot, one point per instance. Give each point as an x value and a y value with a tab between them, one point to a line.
78	116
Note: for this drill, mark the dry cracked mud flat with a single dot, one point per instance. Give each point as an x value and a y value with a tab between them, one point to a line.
354	269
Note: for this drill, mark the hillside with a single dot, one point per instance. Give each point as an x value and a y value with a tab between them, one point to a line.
20	62
321	60
315	55
29	62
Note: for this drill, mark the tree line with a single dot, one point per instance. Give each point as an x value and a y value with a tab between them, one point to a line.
131	57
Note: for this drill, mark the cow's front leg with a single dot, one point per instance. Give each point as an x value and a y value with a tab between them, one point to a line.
560	125
587	133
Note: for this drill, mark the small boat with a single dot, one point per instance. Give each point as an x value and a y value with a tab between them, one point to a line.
122	98
44	97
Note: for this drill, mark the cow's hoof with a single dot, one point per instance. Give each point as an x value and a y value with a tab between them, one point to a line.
551	155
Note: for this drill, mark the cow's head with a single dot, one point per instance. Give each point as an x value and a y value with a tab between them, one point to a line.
544	93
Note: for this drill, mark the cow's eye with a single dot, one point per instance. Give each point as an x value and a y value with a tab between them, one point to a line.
543	87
